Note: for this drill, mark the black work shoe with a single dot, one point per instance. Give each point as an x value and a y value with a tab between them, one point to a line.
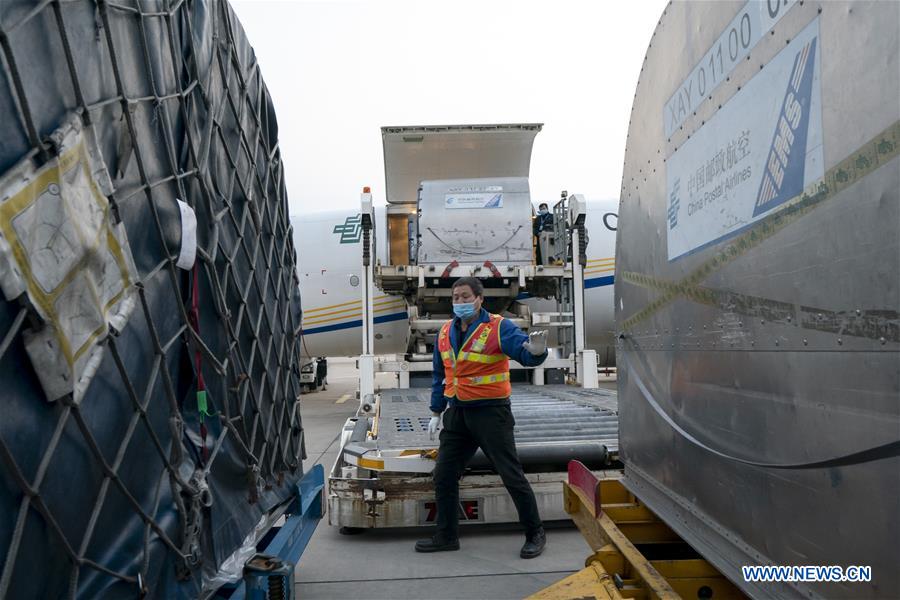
534	544
436	544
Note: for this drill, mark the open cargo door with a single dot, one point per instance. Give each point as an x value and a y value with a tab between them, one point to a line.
413	154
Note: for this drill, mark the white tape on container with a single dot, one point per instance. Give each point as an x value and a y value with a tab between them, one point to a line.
188	252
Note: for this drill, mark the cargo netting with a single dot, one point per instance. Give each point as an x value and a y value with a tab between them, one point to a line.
150	318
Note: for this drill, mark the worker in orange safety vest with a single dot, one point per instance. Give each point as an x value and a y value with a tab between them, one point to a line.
470	390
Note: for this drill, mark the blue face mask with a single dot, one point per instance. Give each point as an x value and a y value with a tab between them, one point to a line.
465	310
543	211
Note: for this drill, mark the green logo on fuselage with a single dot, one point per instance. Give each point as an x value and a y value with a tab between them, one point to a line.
351	230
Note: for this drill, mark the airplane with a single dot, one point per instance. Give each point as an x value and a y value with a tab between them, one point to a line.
329	262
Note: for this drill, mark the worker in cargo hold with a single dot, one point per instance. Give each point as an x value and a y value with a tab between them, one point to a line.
544	219
543	233
471	390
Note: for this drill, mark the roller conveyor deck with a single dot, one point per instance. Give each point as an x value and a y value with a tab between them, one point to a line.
554	423
383	476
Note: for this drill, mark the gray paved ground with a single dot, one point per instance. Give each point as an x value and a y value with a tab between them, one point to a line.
383	564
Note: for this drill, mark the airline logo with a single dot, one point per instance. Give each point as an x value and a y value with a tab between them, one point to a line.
495	202
674	204
784	166
473	200
351	230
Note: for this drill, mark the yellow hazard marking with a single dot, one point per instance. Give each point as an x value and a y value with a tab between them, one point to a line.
342	399
370	463
432	453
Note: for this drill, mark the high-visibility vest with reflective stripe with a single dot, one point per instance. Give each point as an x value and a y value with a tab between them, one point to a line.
480	371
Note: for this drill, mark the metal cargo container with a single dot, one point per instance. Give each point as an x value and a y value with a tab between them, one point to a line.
757	289
475	220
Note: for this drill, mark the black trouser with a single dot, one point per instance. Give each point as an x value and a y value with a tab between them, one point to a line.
491	429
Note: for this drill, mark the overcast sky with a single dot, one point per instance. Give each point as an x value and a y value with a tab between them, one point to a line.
339	70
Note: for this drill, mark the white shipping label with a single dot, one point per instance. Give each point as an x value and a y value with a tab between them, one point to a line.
60	243
473	200
761	149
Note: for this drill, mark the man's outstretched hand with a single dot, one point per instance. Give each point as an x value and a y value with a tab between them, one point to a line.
537	343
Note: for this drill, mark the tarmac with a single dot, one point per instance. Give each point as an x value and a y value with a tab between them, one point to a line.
383	563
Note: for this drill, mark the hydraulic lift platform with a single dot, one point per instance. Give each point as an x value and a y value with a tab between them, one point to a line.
635	554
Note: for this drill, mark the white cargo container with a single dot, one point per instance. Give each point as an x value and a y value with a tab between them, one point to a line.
474	220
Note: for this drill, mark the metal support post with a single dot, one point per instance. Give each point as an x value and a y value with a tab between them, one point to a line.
366	363
585	360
